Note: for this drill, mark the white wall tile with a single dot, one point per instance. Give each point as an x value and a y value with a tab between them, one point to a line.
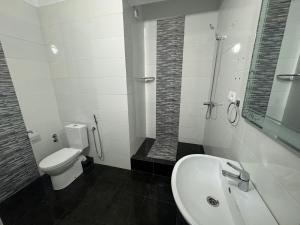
196	68
108	26
22	49
50	15
74	10
89	71
23	44
103	7
270	164
20	10
134	46
198	55
107	68
150	32
15	27
108	48
195	89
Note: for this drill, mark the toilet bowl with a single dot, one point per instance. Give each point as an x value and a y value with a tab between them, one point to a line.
64	166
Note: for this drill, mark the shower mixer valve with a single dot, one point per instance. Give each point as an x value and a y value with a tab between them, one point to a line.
210	104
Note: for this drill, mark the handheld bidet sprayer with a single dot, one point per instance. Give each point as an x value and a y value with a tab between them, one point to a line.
100	154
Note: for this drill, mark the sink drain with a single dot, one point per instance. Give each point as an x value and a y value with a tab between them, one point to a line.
212	201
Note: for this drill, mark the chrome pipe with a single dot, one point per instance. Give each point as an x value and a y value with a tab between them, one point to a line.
210	104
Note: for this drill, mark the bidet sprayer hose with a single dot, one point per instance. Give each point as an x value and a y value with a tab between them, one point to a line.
100	154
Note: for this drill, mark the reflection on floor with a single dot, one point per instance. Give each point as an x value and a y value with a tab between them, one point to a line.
142	162
104	196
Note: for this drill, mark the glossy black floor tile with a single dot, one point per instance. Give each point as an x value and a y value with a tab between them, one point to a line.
104	196
151	212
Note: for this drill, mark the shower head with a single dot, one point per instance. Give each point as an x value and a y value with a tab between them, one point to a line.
220	37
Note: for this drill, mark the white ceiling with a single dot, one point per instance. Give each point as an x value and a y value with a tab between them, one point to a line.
33	2
38	3
143	2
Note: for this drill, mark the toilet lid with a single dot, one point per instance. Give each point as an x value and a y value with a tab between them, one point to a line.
59	158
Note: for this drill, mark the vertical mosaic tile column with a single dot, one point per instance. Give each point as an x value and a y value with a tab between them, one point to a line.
265	57
170	40
17	164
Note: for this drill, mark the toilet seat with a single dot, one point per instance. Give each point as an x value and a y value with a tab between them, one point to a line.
59	159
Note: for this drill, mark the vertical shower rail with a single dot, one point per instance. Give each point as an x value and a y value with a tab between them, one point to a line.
211	104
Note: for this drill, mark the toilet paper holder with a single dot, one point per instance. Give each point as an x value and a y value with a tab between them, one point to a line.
34	137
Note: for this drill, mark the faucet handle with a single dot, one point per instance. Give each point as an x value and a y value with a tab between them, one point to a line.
244	175
234	167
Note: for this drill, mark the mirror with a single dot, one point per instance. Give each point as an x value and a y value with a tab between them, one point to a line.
273	89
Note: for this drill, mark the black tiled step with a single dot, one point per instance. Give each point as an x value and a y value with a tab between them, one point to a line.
184	149
141	162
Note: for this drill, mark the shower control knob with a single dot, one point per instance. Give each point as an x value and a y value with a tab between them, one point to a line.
54	138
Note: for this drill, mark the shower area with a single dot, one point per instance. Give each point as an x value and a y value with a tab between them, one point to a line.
181	54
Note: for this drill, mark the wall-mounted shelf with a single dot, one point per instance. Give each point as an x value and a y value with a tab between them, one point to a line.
146	79
288	77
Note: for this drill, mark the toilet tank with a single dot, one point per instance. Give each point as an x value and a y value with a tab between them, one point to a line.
77	136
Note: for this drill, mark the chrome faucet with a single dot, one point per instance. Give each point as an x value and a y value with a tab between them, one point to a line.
243	178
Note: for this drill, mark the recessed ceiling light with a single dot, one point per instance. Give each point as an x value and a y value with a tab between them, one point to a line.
54	49
236	48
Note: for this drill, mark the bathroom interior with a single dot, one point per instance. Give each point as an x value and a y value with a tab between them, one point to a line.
149	112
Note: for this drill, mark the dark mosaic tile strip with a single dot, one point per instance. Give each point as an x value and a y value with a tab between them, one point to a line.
17	163
268	45
170	39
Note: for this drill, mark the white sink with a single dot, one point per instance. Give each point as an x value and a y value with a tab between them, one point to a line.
196	177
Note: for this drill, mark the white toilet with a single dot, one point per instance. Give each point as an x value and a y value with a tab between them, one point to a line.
64	166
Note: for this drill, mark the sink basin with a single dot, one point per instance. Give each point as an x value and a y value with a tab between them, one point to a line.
205	197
